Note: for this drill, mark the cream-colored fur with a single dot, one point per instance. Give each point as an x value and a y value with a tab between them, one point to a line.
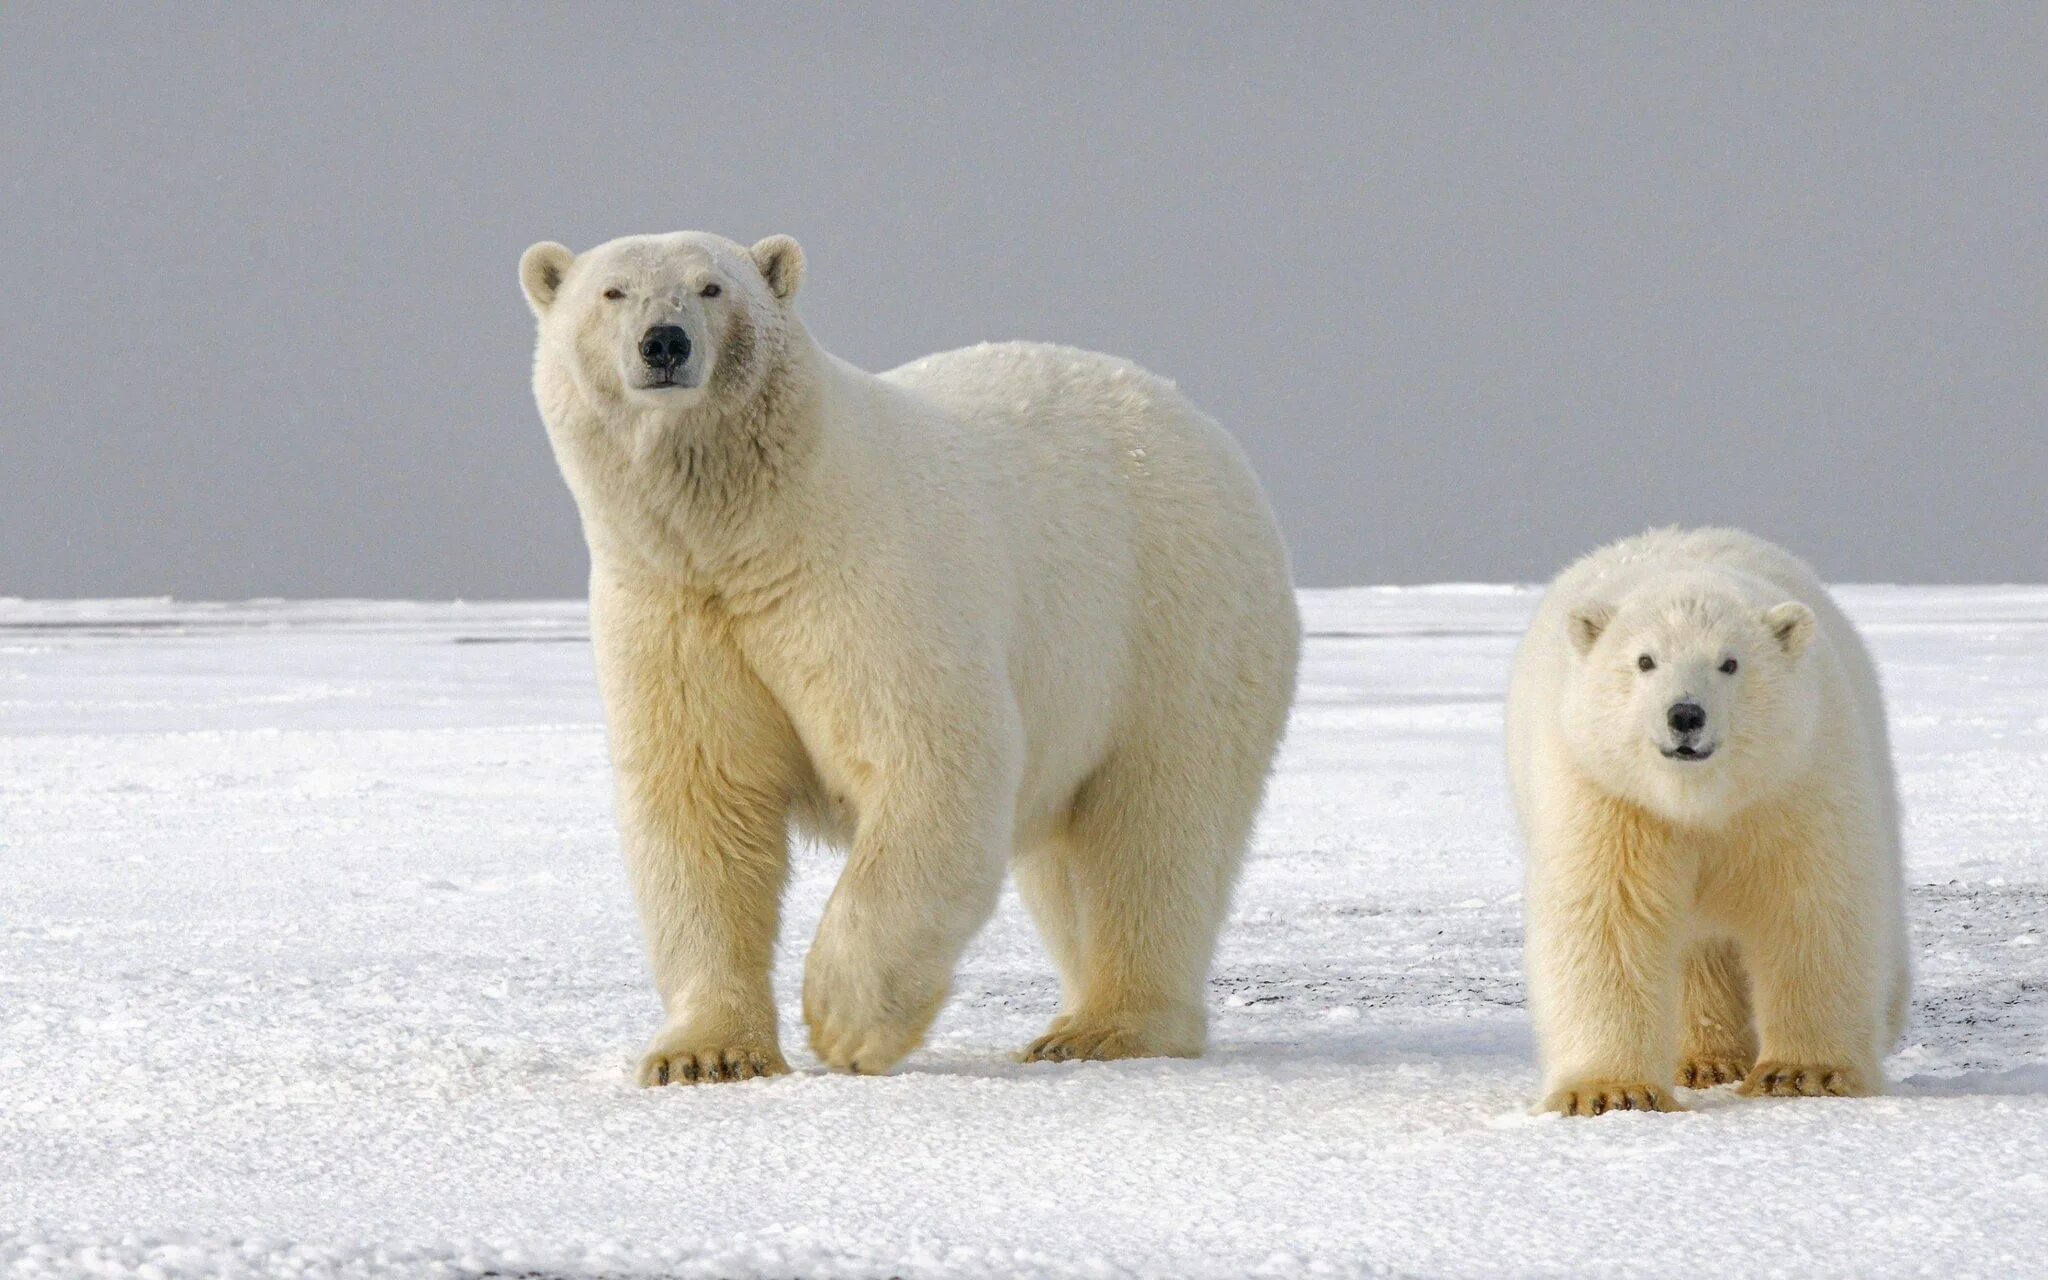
1696	922
1014	606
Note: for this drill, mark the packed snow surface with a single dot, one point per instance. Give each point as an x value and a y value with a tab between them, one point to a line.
316	958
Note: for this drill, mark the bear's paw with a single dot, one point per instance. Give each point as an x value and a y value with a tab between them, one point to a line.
1079	1038
684	1060
866	1021
1773	1078
1705	1072
1598	1097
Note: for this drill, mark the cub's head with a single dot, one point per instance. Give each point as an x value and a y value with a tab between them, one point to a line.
661	325
1689	700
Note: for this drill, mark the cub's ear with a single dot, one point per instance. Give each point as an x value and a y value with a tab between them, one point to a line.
541	269
1586	623
1791	624
781	261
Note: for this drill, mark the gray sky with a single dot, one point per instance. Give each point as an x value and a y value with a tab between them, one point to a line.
1477	287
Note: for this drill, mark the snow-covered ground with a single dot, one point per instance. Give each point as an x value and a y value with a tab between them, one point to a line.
316	958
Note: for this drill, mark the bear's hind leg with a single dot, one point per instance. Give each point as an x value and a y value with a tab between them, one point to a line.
1131	901
1720	1038
1046	884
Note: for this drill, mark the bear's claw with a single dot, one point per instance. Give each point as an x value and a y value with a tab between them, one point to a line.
1794	1080
1598	1097
670	1062
1705	1073
1081	1039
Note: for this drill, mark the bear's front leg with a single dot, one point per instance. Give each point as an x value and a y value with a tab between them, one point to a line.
1813	961
708	873
1605	905
705	762
924	873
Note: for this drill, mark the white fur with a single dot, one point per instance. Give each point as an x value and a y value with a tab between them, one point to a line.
1017	605
1700	921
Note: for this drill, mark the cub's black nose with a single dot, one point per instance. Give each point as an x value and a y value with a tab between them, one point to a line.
1686	717
665	346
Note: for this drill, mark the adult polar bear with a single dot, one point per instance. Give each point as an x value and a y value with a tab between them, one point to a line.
1014	600
1697	745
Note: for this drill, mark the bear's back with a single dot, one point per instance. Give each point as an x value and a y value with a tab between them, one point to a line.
1093	440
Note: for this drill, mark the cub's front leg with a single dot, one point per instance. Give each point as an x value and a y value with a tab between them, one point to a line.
705	763
1821	986
1604	919
923	875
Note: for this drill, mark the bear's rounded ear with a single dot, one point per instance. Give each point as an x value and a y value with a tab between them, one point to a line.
1791	624
781	262
541	269
1585	623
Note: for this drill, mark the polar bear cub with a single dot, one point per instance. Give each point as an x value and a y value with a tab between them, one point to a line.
1697	747
1014	607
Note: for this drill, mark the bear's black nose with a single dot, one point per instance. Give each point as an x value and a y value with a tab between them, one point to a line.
665	346
1686	717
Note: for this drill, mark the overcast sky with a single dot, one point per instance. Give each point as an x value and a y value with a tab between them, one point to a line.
1477	287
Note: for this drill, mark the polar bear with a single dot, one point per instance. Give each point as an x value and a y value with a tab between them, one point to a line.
1017	606
1698	752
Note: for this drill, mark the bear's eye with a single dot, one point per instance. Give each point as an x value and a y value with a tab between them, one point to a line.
709	291
1646	663
1728	667
614	293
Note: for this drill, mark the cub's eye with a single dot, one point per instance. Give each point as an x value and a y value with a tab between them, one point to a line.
709	291
1646	663
1728	667
615	293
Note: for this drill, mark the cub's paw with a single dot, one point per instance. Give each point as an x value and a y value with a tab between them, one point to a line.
1777	1079
1706	1072
1597	1097
1081	1038
676	1057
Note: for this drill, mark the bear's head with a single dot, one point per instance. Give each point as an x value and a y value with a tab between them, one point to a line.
1690	700
661	326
